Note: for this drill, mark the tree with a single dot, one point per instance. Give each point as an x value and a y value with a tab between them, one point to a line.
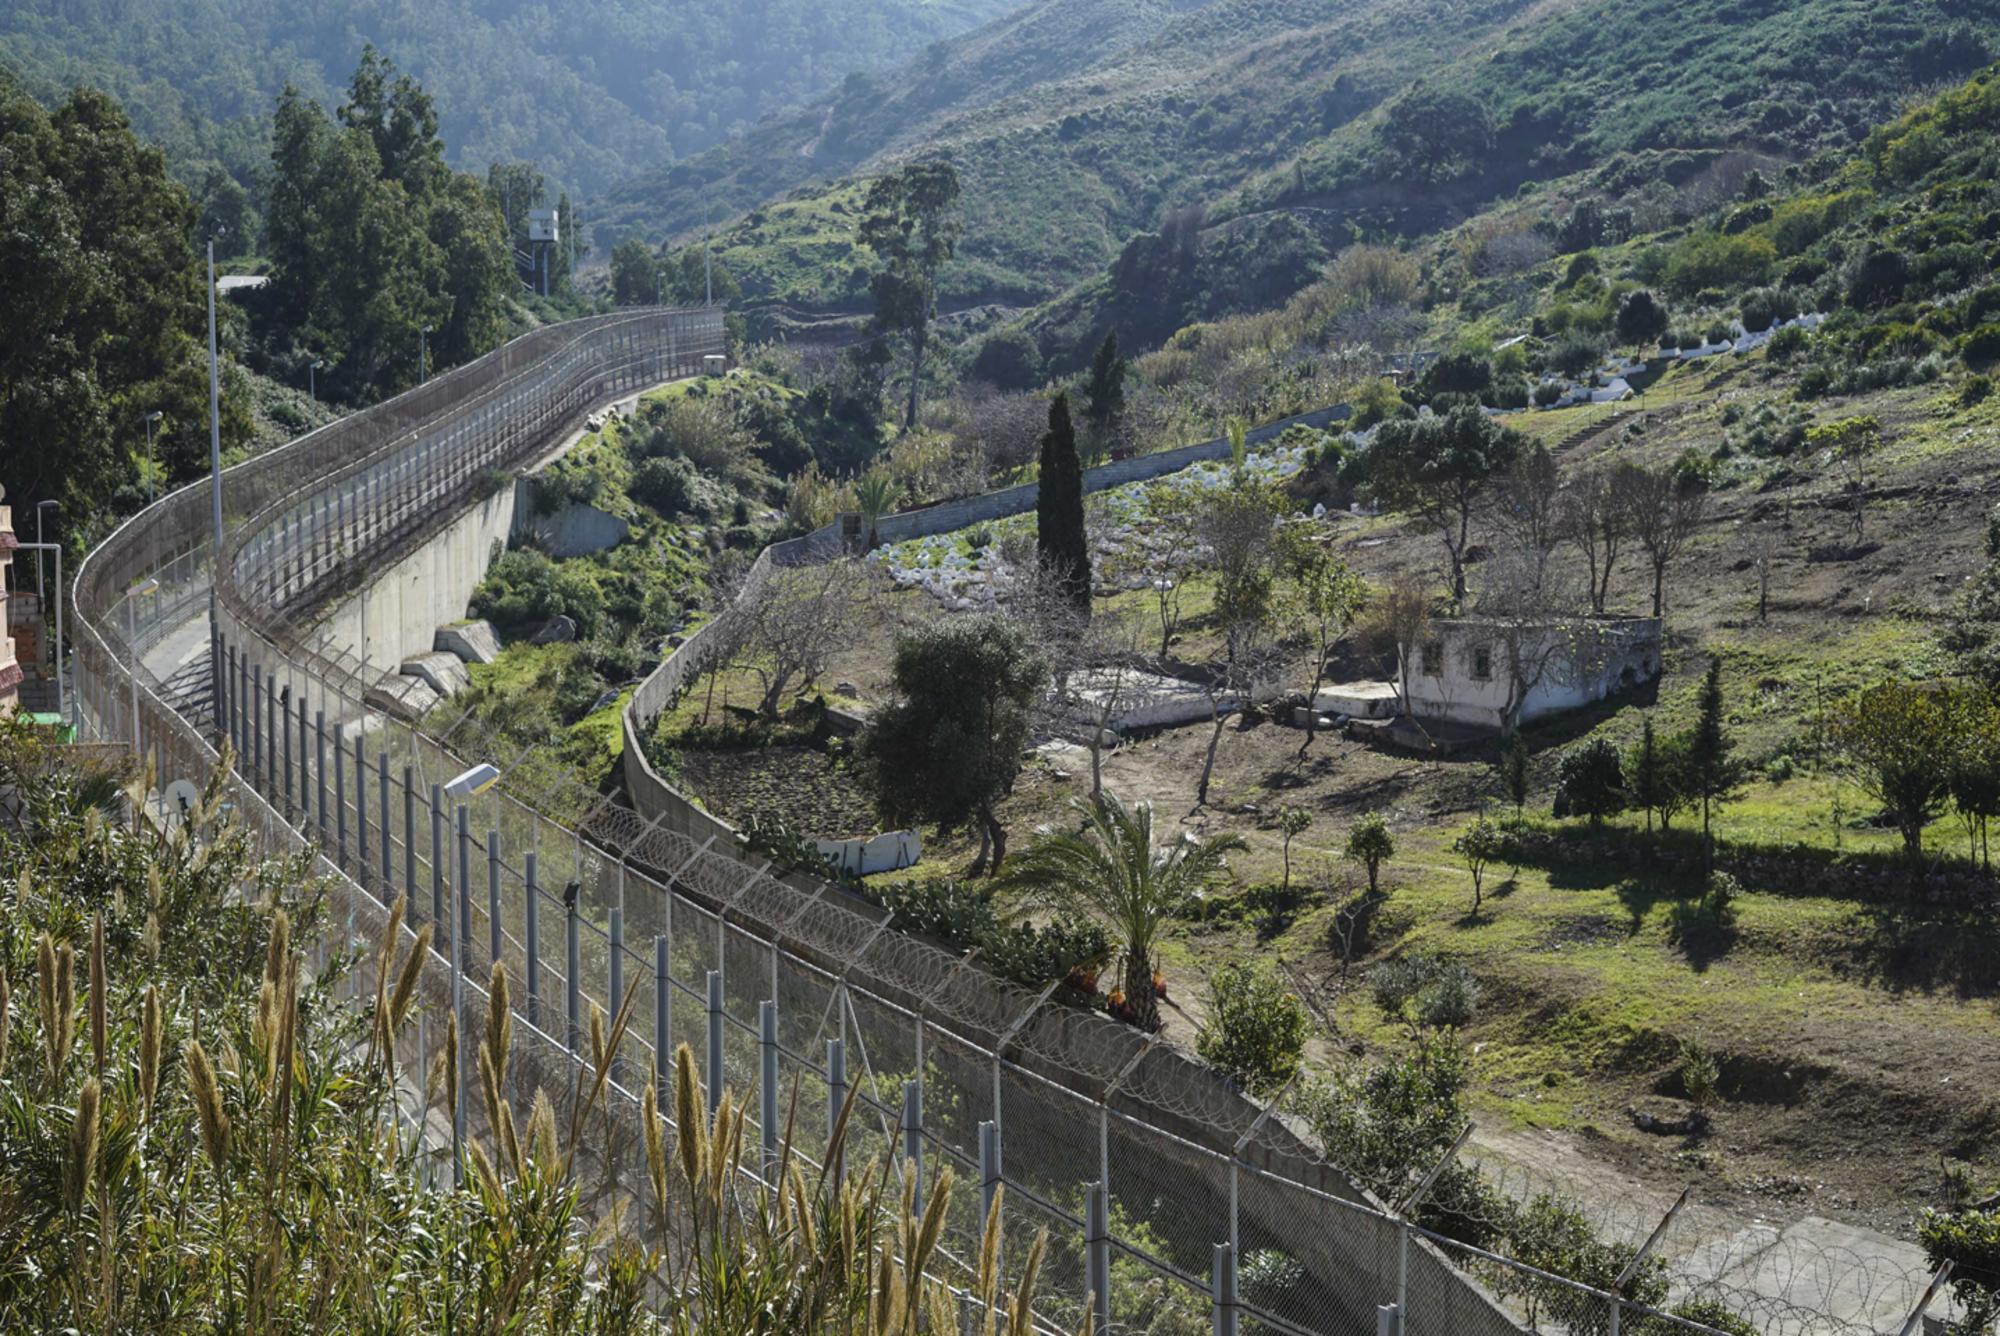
1712	773
1478	845
1526	509
1641	319
910	220
1974	765
1592	780
1292	823
948	746
1514	771
1663	508
1655	779
1406	620
1438	132
1324	597
1438	468
1901	738
1061	543
795	624
1104	396
1113	867
1848	445
1239	525
1009	360
1370	844
875	495
1165	560
1970	1241
635	273
1256	1030
1593	516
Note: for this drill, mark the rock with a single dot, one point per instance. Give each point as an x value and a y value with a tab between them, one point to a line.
846	689
557	630
443	673
473	642
406	698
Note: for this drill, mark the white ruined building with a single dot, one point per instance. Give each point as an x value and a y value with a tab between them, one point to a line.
1488	672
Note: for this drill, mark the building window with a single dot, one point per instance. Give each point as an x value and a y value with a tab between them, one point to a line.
1482	664
1433	659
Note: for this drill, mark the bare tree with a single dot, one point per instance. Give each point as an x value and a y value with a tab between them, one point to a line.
1535	627
1323	598
1405	620
1760	550
1165	555
794	625
1526	512
1663	509
1593	519
1240	526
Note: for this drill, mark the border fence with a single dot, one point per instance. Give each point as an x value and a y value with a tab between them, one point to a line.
1172	1203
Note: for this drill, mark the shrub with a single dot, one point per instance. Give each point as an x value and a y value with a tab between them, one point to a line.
1699	1074
669	485
1429	992
1765	307
1975	391
1009	360
1970	1240
1715	260
1257	1029
1787	343
1591	780
1981	348
522	590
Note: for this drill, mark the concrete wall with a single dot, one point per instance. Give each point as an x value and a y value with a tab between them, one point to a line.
950	516
397	613
574	531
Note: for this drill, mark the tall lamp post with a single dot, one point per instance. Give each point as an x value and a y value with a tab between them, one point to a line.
41	595
424	355
312	377
151	418
215	496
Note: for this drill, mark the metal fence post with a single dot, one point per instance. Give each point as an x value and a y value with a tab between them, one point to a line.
305	766
534	934
270	766
254	722
462	903
388	840
494	937
459	946
437	854
714	1070
989	1168
913	1135
410	833
837	1099
319	768
767	1085
285	714
573	995
1222	1290
339	803
1388	1321
360	810
1097	1252
663	1019
615	990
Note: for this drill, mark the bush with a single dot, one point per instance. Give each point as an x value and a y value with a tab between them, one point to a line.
1970	1240
1975	391
1009	360
1429	992
1981	348
522	590
669	485
1575	354
1765	307
1715	260
1591	780
1787	343
1699	1074
1257	1029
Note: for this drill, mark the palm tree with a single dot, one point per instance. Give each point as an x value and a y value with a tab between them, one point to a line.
874	496
1112	868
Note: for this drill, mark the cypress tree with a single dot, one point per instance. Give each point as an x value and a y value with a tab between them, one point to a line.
1106	390
1645	776
1514	771
1060	542
1713	772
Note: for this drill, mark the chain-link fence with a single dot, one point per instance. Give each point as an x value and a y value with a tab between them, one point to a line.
1172	1203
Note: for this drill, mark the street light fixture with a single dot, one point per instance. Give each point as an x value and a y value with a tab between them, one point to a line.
424	355
472	783
312	377
151	418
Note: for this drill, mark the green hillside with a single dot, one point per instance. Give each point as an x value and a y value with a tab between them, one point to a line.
1289	127
591	93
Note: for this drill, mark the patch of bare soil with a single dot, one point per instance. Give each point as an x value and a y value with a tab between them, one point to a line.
811	791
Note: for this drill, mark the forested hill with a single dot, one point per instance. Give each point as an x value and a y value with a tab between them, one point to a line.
590	92
1280	129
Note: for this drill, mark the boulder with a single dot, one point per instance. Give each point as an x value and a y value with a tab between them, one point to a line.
472	642
558	629
406	698
443	673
